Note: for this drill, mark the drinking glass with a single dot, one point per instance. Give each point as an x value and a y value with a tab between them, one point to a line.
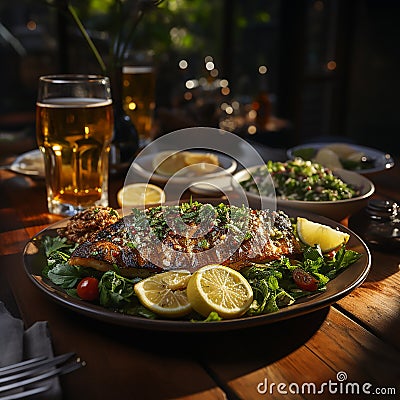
74	128
139	80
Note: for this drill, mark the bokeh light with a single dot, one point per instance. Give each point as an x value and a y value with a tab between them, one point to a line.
210	66
331	65
262	69
183	64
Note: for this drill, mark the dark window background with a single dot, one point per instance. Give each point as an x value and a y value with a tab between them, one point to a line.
28	49
332	65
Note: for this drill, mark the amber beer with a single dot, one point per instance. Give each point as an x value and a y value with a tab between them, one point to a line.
74	134
139	98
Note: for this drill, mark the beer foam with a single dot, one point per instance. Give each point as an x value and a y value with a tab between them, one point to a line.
72	102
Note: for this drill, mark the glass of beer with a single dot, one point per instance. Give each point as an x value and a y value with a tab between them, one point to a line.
138	91
74	128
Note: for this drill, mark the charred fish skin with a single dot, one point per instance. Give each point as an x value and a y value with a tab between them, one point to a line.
113	248
143	243
104	255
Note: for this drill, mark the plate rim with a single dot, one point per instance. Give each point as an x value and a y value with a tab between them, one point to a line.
317	145
34	173
97	312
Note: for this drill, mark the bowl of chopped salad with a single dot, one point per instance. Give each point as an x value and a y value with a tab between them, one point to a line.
308	186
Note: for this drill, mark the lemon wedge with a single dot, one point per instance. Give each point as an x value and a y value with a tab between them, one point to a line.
165	293
218	288
140	195
312	233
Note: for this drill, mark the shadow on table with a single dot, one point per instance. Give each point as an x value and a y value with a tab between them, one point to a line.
255	347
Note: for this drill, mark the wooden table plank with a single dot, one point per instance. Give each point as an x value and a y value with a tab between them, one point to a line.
242	360
376	303
346	346
337	345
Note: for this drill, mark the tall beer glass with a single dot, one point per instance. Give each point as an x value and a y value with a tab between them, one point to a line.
138	91
74	128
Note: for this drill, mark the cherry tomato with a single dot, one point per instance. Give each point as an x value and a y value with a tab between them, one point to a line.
331	254
304	280
88	289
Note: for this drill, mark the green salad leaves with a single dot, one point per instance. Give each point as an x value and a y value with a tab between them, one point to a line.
276	284
280	283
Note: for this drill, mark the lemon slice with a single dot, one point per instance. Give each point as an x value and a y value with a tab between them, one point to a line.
172	162
140	195
201	163
165	293
218	288
312	233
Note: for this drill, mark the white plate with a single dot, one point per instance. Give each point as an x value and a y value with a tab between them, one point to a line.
383	160
143	165
30	163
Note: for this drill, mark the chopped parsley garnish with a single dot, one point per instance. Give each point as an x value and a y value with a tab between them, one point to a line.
298	180
162	218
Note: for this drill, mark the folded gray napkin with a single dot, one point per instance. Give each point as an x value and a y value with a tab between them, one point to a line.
17	345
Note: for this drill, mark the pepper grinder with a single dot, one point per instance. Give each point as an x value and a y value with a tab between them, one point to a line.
383	227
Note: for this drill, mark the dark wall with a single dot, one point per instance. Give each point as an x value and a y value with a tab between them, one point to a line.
374	93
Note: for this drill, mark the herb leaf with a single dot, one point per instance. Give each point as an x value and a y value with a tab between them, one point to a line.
115	290
65	275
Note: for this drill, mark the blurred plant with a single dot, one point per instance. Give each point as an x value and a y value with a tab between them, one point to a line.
124	16
13	41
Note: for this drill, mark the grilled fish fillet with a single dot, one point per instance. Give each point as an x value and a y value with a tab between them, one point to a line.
187	237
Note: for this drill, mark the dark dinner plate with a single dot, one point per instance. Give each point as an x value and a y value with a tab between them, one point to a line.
343	284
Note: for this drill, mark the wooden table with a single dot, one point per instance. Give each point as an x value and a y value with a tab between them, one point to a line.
357	336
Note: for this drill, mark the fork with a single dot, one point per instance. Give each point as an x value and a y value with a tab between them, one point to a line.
35	370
